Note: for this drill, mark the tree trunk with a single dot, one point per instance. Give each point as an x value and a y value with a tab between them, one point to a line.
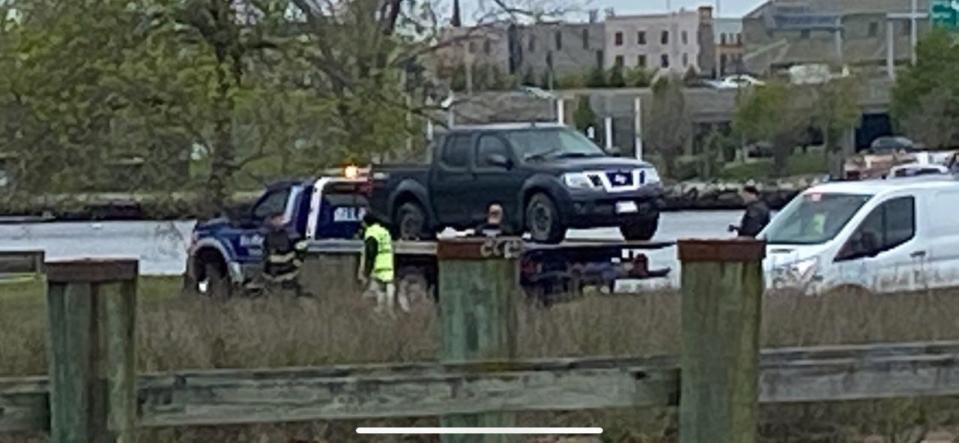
223	163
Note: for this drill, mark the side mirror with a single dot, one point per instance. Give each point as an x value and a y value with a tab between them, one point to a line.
499	160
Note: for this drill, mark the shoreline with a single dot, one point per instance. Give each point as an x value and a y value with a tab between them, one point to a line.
682	196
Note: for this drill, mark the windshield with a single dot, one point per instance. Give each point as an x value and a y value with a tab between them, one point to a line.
540	144
813	218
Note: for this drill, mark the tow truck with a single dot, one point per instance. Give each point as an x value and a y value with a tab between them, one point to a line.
226	254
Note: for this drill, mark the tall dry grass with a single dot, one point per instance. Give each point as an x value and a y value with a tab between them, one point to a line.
182	333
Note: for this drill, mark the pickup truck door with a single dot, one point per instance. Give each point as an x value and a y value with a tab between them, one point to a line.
249	241
451	181
494	183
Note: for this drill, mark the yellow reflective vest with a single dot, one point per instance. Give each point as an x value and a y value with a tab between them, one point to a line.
383	263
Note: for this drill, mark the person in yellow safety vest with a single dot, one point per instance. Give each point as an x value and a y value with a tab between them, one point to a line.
376	270
284	255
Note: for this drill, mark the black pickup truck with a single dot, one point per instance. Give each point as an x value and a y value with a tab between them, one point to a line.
548	178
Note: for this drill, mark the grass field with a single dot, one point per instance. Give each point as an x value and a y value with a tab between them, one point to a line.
178	332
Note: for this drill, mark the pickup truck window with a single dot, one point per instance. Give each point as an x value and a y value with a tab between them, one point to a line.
457	152
541	144
490	145
270	204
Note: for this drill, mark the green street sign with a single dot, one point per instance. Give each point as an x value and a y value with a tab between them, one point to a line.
945	14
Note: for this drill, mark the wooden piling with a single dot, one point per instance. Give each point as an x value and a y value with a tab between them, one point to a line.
477	284
722	287
92	314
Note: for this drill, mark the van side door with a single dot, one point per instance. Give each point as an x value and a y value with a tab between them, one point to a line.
941	260
881	254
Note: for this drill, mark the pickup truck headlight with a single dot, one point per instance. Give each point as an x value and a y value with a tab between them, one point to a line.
578	180
652	176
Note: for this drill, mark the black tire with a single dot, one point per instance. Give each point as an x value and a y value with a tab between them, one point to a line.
411	222
218	283
543	220
642	230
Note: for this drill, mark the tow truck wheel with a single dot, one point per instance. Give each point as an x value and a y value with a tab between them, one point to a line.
216	282
640	231
542	220
411	223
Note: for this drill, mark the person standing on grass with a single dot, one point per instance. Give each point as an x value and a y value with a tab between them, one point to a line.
284	255
376	272
757	214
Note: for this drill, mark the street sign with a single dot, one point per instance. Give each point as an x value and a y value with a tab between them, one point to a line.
945	14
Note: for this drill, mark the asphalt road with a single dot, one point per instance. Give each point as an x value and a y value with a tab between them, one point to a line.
161	245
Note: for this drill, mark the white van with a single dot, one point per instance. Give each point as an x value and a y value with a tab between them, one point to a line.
878	236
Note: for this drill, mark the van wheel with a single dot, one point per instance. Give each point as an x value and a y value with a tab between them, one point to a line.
411	222
543	221
641	230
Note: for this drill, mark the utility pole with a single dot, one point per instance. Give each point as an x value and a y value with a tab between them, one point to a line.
913	29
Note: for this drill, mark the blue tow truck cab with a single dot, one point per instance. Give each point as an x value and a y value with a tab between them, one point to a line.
227	253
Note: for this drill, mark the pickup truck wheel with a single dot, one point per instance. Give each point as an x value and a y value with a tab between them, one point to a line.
643	230
411	223
542	220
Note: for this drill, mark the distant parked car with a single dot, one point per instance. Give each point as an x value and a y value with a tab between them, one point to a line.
888	144
737	81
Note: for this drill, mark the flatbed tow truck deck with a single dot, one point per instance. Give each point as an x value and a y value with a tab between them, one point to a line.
546	271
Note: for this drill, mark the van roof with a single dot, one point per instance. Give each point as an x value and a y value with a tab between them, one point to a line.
879	186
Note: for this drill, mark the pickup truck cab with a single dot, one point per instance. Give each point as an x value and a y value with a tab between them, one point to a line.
873	236
225	253
548	178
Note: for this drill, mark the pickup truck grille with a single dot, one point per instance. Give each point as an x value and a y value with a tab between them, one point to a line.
620	178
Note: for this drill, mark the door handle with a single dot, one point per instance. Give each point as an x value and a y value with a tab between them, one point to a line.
918	254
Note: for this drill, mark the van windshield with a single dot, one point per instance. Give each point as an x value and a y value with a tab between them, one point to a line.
813	218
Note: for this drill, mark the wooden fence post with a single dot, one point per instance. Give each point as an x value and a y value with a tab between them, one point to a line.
92	313
722	287
477	290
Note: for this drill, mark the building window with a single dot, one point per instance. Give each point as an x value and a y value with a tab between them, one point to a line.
685	38
618	39
599	59
664	38
472	47
532	43
664	61
641	61
722	64
586	39
804	34
739	38
722	38
559	40
487	47
906	27
641	37
619	61
873	29
685	60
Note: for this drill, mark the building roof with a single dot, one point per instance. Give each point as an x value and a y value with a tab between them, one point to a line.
844	7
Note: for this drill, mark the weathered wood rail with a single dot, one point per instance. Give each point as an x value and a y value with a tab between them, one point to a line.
717	383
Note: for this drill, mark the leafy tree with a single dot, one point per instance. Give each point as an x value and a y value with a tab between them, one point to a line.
583	116
529	78
835	110
571	81
670	123
770	113
616	77
925	98
639	78
597	78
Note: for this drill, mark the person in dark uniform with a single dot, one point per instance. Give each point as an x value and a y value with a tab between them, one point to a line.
757	214
283	255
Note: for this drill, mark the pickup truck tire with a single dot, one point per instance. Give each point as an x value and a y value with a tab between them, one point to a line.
411	222
640	231
543	221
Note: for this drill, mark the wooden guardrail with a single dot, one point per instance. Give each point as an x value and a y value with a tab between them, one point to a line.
21	262
718	381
